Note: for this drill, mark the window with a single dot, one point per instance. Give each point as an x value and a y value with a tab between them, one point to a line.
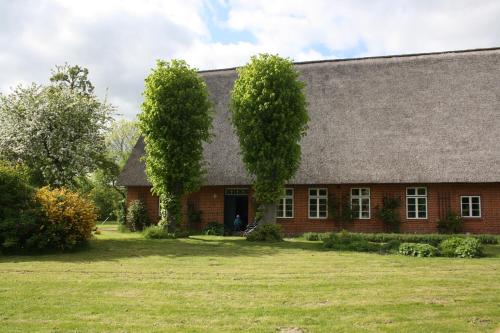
360	203
416	202
285	204
471	206
318	207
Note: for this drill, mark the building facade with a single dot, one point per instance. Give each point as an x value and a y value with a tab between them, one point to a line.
422	129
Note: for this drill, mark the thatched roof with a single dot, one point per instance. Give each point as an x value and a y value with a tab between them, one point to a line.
402	119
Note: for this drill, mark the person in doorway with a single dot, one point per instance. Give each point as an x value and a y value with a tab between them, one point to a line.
237	223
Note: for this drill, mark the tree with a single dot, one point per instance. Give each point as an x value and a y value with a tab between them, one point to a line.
269	115
120	140
55	130
74	78
175	121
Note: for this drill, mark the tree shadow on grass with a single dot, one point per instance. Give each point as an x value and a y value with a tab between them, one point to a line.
195	246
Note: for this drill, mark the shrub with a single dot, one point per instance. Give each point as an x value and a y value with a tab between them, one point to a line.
315	236
121	213
448	246
266	232
345	241
461	247
451	224
389	214
157	232
16	195
214	229
418	250
433	239
391	246
137	216
68	219
470	248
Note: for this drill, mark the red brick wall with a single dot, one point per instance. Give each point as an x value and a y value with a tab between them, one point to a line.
210	200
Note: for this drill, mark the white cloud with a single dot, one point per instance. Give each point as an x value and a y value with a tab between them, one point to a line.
119	40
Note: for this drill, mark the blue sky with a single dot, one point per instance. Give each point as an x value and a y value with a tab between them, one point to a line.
120	40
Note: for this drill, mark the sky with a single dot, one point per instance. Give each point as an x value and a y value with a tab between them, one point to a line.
119	41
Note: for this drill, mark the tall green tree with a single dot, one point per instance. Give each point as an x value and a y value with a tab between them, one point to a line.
120	140
74	78
56	130
269	115
175	121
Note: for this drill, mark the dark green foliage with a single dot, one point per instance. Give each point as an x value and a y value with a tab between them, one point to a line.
433	239
157	232
345	241
269	115
16	195
391	246
418	250
452	224
194	216
448	246
121	212
20	215
175	121
72	77
137	216
316	236
270	232
340	210
389	213
469	247
214	229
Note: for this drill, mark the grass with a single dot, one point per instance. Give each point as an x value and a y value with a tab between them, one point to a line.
124	283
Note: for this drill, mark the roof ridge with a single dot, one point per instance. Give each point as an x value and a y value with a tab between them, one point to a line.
407	55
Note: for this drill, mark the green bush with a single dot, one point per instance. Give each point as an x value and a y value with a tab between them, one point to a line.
137	216
316	236
470	248
389	213
46	219
391	246
157	232
451	224
214	229
433	239
345	241
448	246
418	250
16	195
461	247
266	232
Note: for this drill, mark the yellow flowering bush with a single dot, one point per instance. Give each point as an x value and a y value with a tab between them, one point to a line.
69	218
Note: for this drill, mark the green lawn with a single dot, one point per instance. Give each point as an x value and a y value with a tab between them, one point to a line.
124	283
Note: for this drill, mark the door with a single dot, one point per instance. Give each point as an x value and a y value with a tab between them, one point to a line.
235	203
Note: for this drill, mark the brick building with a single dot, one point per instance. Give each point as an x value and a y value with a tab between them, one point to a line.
424	128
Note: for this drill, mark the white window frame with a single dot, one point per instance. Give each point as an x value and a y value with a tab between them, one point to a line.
417	196
470	216
317	197
358	215
282	201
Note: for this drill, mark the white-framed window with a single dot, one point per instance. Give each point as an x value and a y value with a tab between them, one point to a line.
416	202
360	202
318	203
285	204
470	205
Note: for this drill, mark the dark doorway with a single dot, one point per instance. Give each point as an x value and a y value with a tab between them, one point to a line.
235	203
